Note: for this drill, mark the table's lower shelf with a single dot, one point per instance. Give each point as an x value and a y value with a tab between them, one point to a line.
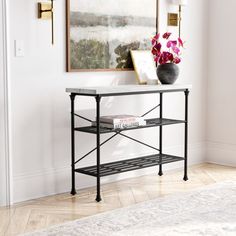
150	123
129	165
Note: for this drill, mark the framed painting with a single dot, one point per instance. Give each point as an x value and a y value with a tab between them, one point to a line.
101	33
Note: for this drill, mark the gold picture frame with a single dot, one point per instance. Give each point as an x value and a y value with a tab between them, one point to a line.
144	66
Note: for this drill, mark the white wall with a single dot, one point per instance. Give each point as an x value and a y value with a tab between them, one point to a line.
40	107
2	133
221	132
4	150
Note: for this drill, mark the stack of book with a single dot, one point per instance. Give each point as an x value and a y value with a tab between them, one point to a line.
120	121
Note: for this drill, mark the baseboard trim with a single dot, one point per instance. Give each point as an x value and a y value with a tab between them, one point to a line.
221	153
55	181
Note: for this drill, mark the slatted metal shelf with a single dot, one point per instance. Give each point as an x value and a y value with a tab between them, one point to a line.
129	164
150	123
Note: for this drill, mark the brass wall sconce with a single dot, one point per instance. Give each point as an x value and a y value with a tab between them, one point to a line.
45	11
175	19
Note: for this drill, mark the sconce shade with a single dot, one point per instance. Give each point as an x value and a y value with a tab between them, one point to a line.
180	2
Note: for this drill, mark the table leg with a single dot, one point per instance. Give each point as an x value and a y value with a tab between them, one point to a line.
73	190
160	135
98	99
186	137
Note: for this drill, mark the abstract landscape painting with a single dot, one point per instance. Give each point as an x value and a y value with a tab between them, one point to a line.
101	33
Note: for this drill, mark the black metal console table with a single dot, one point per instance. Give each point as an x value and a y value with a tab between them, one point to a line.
99	170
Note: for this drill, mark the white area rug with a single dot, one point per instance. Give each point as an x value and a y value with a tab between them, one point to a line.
208	211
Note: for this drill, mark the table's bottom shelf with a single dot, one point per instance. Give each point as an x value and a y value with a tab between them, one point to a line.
129	165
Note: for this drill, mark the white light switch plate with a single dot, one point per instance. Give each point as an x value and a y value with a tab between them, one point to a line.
19	48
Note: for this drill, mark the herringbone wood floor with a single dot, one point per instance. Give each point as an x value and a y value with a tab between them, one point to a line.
48	211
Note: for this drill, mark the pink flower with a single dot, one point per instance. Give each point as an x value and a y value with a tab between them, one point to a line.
157	57
161	60
166	57
155	39
172	52
176	50
156	48
166	35
176	60
171	43
180	42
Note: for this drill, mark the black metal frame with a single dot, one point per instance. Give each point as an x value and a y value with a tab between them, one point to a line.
100	170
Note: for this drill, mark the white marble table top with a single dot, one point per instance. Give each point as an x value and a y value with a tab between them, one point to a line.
127	89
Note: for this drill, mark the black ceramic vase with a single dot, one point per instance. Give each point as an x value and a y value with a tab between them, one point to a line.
168	73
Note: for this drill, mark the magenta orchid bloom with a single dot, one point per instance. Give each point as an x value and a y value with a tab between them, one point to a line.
177	60
171	43
172	52
166	35
180	42
157	47
176	50
155	39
